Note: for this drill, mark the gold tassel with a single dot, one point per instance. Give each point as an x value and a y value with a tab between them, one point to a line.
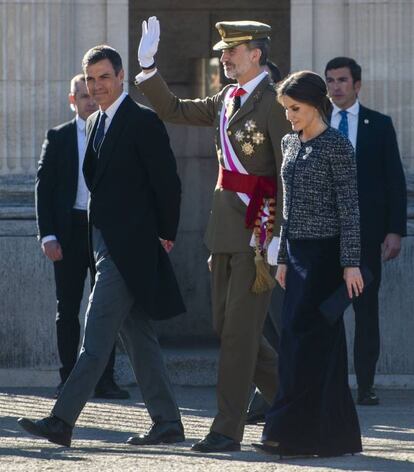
264	280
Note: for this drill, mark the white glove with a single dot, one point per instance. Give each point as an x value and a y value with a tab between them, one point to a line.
273	251
148	45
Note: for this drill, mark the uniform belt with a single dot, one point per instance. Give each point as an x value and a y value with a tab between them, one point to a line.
257	187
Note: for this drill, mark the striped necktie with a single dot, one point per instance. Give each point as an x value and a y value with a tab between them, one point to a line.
100	132
343	124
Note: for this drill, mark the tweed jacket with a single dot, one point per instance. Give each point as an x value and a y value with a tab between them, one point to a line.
320	193
226	231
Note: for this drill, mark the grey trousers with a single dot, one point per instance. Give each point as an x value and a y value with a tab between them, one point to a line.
110	312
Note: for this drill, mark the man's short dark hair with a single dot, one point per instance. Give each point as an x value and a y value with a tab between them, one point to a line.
101	52
263	45
351	64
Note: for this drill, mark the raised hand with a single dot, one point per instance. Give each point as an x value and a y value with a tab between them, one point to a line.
148	45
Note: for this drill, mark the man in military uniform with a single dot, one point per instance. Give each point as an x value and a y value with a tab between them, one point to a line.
249	126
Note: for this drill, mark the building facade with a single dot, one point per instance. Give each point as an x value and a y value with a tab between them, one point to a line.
42	46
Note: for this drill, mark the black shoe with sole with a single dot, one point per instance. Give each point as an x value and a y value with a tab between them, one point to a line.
216	442
166	432
268	449
255	418
51	428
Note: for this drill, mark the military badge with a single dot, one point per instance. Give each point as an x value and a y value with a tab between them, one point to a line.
250	125
239	135
258	137
249	137
248	148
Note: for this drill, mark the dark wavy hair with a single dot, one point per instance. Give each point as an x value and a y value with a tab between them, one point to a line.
307	87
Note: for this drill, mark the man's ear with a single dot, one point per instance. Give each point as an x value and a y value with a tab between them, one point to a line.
72	102
256	54
121	75
357	86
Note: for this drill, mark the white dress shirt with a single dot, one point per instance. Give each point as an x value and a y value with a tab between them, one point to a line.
82	193
353	114
112	109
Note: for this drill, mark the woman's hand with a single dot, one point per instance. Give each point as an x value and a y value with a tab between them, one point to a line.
281	275
354	281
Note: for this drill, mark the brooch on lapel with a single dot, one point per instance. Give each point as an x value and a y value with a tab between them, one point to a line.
308	150
249	137
366	121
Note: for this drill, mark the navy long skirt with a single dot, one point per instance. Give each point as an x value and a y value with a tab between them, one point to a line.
314	412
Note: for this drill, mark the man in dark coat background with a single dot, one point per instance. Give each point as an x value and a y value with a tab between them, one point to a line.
382	205
61	214
133	215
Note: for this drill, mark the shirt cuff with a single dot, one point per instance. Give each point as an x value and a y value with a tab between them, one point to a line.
143	76
50	237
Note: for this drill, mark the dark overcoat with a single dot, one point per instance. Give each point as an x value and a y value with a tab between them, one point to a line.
135	200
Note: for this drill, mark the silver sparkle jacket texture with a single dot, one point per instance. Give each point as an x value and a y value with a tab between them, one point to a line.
320	198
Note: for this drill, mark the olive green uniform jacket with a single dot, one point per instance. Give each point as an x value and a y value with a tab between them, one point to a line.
255	132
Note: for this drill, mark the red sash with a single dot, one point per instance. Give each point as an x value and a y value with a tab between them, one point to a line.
255	186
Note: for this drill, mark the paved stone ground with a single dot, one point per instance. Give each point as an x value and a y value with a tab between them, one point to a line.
98	445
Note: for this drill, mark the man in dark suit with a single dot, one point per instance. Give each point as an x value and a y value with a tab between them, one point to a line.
61	210
382	205
133	217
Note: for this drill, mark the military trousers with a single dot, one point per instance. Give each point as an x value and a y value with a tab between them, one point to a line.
245	355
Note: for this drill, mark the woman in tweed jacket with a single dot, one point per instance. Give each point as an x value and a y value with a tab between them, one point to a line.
319	247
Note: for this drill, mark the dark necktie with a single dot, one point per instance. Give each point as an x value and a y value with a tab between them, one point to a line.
236	102
343	124
100	132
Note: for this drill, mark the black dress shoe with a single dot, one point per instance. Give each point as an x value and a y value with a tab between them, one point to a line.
255	418
58	390
51	428
367	397
166	432
110	390
268	449
216	442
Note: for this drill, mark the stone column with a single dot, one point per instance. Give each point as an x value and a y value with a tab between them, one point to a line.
379	35
42	46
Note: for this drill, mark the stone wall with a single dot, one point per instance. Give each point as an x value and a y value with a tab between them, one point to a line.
43	43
